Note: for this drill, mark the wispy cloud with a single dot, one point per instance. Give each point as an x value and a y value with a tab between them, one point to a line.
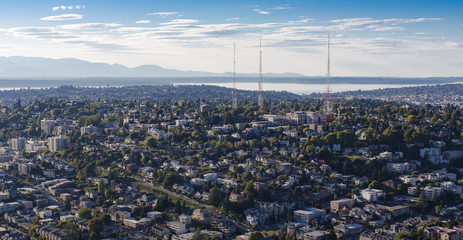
261	11
163	14
89	26
63	17
232	19
267	11
180	21
143	22
282	7
62	35
47	33
178	36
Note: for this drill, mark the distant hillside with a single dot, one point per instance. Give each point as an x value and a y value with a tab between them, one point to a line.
34	67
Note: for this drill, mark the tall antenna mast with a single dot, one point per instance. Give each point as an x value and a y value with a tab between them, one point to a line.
328	104
261	99
235	97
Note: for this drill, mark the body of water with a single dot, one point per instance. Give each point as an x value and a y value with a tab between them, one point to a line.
297	88
305	88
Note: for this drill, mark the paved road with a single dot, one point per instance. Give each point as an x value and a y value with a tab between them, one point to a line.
52	200
209	208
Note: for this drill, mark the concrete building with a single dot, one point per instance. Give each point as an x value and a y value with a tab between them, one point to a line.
177	227
310	215
396	210
371	195
47	125
337	205
398	167
441	233
430	191
88	130
25	168
18	144
56	144
8	207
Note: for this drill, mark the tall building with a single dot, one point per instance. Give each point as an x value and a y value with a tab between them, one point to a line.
25	168
55	144
47	125
18	144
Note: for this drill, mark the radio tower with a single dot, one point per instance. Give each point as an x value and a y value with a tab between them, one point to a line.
235	97
328	104
261	99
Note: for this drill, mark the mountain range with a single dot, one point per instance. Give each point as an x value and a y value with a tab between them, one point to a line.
37	67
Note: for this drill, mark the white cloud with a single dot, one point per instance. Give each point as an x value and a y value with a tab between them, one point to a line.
282	7
67	7
63	17
89	26
301	41
232	19
261	11
143	22
384	29
163	14
44	33
180	21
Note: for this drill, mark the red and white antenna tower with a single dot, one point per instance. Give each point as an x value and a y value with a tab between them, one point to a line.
235	97
328	104
261	99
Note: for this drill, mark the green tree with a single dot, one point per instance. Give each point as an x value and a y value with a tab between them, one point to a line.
215	197
437	209
150	142
95	228
84	213
73	231
421	203
101	187
107	193
256	236
178	207
374	184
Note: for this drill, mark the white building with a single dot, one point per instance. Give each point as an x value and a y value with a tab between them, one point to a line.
56	144
409	179
211	177
371	195
88	130
18	144
398	167
177	227
25	168
430	191
433	155
47	125
308	216
451	187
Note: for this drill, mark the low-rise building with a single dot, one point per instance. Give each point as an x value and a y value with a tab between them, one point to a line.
441	233
337	205
309	215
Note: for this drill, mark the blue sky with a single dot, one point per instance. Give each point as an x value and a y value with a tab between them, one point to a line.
369	38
